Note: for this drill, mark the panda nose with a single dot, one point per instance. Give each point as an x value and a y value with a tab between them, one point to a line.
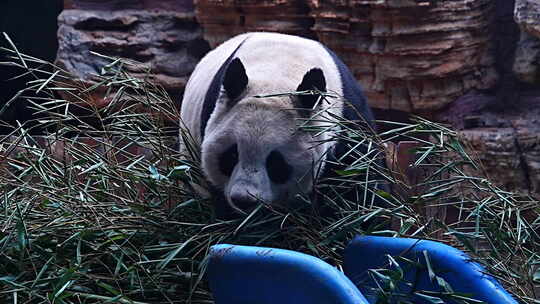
244	201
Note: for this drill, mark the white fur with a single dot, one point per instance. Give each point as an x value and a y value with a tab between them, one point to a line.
275	63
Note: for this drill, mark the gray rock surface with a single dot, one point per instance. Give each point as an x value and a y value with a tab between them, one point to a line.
527	15
527	59
506	143
409	55
223	19
412	56
167	42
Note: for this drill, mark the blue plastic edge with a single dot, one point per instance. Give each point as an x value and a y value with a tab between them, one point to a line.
454	266
246	274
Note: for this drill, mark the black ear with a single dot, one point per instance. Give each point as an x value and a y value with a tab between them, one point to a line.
235	80
313	80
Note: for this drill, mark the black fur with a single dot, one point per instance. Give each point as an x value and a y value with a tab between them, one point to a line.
277	167
356	109
352	92
235	81
212	94
228	160
313	80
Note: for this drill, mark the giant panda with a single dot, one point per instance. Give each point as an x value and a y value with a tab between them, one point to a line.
251	148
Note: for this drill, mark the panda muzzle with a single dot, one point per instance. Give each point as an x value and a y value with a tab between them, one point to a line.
246	193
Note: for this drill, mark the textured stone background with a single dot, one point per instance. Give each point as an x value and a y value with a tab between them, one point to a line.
470	63
163	35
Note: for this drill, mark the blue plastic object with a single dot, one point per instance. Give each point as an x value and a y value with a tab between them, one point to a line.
453	266
257	275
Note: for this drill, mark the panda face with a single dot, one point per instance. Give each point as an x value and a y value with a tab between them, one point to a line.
256	153
253	149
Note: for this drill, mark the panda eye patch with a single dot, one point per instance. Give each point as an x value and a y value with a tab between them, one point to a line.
228	160
277	167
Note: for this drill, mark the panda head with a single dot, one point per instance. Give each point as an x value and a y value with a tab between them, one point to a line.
253	149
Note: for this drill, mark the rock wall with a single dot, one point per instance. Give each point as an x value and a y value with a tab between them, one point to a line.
527	63
503	127
507	143
413	56
163	35
223	19
527	15
471	63
526	67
